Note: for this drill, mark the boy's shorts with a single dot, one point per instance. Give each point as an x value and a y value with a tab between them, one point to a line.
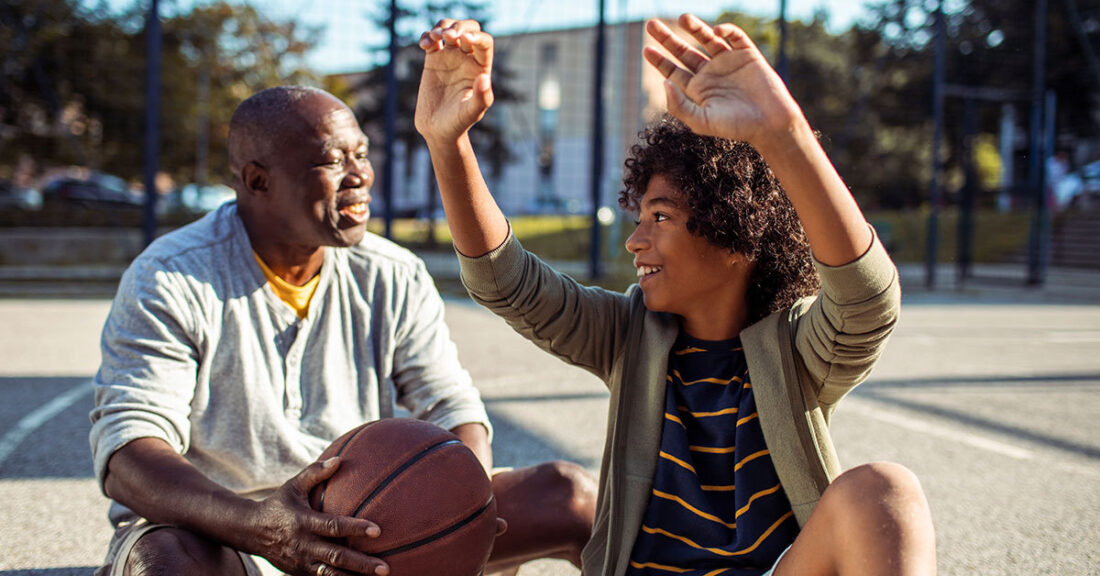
128	533
772	569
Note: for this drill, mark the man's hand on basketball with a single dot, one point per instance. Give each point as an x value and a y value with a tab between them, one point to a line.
455	88
727	89
299	540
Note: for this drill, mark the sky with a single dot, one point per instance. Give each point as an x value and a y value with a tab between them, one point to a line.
349	30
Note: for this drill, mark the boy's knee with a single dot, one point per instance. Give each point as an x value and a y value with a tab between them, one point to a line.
879	480
878	490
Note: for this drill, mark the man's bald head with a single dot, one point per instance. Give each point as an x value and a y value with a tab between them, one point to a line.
262	123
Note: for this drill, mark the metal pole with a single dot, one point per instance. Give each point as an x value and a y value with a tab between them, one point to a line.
152	118
966	199
597	146
1036	179
782	64
202	130
391	122
937	135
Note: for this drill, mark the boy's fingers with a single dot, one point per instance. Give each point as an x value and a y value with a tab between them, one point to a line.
428	44
681	50
704	34
481	46
733	35
682	107
667	67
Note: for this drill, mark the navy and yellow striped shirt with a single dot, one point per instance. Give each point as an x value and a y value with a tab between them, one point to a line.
717	506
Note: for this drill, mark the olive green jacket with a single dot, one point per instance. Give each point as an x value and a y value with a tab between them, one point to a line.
837	336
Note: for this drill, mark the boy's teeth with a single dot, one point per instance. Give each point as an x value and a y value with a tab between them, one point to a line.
644	270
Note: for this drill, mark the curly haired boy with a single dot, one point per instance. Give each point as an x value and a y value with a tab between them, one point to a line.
727	359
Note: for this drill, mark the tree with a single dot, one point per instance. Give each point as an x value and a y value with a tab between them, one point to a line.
72	83
486	136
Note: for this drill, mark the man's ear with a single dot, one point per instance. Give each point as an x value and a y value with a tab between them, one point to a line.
255	178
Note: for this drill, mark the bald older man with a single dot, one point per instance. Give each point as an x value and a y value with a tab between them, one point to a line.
240	346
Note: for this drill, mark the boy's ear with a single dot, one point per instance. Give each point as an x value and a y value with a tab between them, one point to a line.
255	178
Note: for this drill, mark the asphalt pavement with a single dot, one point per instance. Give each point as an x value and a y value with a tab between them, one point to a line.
989	391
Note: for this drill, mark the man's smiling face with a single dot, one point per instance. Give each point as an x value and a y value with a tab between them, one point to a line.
320	177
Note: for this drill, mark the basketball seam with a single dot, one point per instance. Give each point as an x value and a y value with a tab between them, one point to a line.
438	535
407	464
324	485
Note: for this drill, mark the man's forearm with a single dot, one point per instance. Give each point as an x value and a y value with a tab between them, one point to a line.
151	479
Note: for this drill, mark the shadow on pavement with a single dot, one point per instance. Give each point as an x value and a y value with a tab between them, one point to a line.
57	449
516	447
879	391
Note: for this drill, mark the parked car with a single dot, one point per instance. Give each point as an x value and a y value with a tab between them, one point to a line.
200	198
97	189
19	197
1083	186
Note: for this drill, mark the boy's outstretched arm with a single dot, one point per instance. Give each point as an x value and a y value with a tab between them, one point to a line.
732	92
455	92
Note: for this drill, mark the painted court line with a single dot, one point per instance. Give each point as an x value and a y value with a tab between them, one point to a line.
33	421
924	426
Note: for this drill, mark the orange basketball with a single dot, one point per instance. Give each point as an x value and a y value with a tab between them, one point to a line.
423	487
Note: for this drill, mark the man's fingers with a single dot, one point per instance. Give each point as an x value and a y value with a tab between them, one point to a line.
667	67
704	34
314	474
681	50
333	526
334	560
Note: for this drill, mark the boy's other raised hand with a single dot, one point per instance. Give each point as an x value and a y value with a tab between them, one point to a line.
455	88
728	89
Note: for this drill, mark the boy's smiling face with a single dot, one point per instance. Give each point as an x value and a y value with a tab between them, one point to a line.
679	272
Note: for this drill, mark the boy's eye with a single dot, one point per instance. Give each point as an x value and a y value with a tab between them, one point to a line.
660	217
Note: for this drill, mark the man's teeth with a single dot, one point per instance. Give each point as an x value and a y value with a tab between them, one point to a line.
358	209
644	270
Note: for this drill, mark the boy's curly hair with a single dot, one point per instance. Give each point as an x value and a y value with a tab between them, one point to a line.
736	202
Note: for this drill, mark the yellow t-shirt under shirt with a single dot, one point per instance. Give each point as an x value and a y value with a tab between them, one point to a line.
297	297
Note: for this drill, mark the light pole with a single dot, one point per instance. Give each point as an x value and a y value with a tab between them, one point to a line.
152	118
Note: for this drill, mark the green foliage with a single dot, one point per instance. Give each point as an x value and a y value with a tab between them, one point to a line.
73	81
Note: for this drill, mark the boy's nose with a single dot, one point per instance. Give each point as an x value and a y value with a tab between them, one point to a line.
636	241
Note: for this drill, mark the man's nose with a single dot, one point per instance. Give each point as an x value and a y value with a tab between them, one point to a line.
361	173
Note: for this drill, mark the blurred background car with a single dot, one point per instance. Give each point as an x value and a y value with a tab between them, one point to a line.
98	189
199	198
19	197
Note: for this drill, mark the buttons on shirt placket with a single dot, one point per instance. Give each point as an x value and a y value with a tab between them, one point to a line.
294	371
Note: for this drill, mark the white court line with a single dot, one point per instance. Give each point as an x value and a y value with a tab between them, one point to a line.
36	419
924	426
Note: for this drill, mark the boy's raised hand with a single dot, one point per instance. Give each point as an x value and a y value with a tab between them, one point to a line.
729	90
455	89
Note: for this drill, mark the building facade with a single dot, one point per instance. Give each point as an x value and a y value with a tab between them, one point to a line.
548	130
